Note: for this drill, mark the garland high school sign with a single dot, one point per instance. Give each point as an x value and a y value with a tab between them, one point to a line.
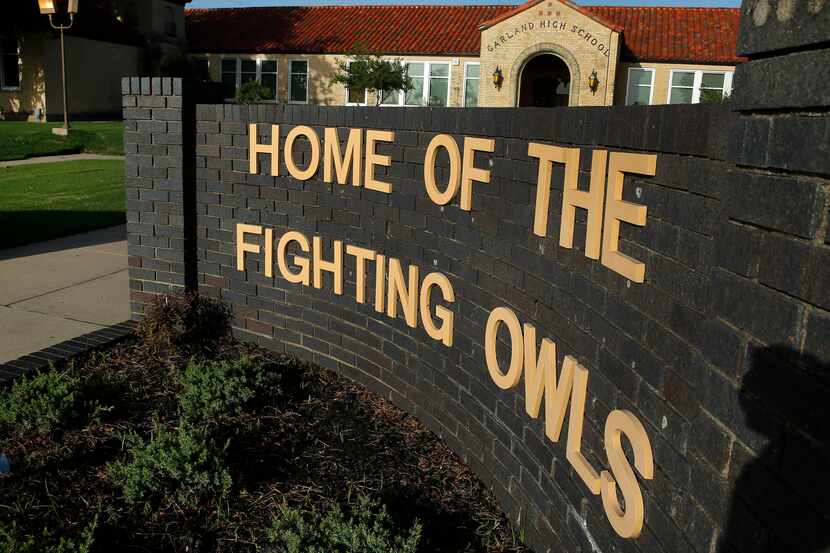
412	291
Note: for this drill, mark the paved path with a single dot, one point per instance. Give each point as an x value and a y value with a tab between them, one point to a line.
56	159
56	290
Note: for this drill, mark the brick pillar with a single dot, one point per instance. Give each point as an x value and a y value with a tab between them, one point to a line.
783	138
158	144
782	92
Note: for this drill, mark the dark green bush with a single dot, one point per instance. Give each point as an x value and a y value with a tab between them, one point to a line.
41	402
366	528
14	540
183	466
213	389
189	324
253	92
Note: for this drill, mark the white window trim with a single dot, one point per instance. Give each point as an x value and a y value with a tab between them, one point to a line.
365	93
427	64
290	74
698	79
650	88
464	84
238	72
19	72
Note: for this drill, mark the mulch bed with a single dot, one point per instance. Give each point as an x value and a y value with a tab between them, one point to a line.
316	438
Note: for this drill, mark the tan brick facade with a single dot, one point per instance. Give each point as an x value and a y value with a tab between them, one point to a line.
544	46
582	42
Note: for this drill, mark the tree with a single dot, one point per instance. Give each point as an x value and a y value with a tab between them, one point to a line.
253	92
364	70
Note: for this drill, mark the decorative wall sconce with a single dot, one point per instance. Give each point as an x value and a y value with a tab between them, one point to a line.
593	82
498	78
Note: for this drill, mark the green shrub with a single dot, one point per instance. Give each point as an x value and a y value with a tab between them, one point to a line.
189	323
181	466
41	402
218	388
253	92
14	540
367	528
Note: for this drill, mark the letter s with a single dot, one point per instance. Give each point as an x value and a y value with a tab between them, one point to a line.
628	523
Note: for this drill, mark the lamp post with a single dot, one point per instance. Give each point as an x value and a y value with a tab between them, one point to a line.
47	7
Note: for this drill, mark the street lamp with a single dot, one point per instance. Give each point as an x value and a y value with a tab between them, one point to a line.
47	7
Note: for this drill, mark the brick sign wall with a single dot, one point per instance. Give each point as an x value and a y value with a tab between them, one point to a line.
700	336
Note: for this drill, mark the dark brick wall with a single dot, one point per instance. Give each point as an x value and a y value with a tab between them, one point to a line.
158	139
722	352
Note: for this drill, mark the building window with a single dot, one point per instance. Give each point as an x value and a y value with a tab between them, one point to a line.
415	95
430	86
236	72
439	84
640	86
694	87
170	22
298	85
268	76
201	69
356	96
471	80
9	63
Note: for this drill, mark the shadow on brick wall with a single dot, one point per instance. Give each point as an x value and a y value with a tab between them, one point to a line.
781	497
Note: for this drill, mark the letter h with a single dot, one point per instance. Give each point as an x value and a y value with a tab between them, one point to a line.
256	148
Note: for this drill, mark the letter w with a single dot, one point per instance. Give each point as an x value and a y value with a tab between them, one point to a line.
540	380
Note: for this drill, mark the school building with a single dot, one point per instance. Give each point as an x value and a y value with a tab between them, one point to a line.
541	53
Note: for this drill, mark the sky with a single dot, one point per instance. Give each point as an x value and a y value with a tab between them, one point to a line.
243	3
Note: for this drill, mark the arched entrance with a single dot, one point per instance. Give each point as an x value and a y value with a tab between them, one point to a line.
545	82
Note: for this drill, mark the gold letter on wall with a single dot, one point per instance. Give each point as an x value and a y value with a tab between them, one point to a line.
408	293
373	158
498	316
352	158
617	210
443	332
592	201
335	266
470	173
313	163
242	246
628	523
547	156
448	143
256	148
302	276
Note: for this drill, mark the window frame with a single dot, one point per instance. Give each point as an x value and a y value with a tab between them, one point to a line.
698	79
427	66
3	85
238	72
291	74
650	87
348	91
464	84
171	28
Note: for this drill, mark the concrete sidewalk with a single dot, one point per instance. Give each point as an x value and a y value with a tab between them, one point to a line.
55	290
58	159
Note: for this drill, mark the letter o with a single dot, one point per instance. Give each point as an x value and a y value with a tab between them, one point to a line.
448	143
507	380
314	140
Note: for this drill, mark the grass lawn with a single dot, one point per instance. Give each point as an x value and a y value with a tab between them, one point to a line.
39	202
21	140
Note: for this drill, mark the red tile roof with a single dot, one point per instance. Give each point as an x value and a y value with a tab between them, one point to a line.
699	35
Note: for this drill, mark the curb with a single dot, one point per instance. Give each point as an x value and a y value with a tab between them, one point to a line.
64	351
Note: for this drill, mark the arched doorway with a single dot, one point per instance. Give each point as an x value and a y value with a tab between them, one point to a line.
545	82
